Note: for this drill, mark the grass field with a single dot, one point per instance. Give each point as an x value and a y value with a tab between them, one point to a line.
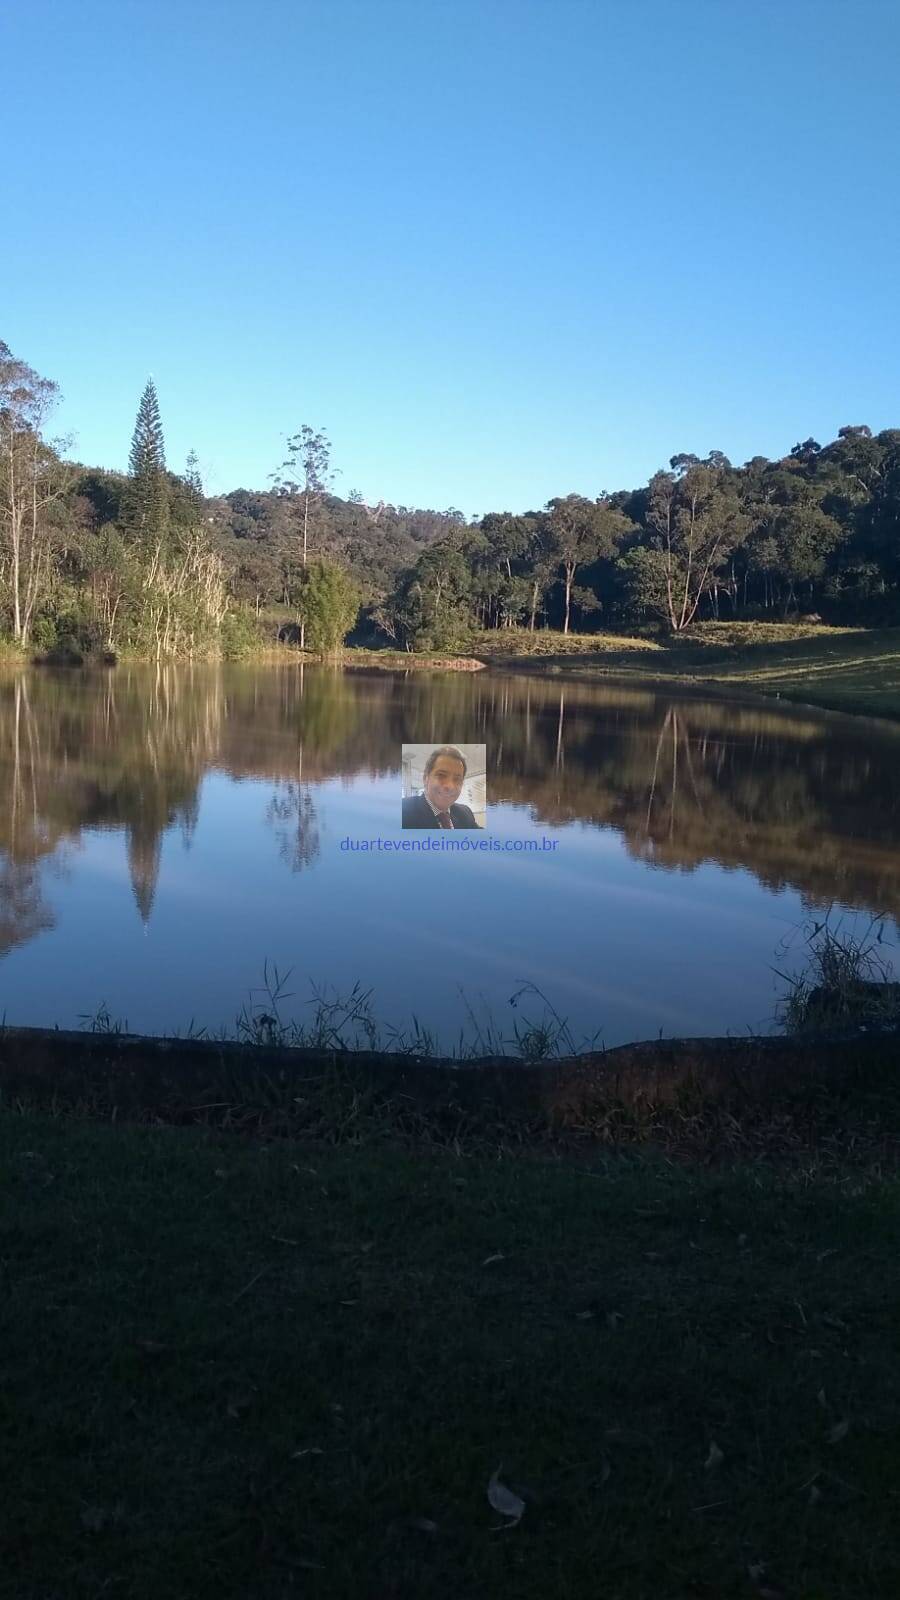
844	669
266	1369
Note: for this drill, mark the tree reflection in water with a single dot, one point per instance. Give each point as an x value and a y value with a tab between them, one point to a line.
799	799
298	840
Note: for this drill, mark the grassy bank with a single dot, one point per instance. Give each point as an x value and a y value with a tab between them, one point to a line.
240	1368
843	669
384	660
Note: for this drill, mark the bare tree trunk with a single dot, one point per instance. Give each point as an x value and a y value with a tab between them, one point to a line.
15	529
305	526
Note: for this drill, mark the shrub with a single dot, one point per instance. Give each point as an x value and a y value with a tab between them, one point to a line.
43	634
238	636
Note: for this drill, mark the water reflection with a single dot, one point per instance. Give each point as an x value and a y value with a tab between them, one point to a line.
800	801
292	804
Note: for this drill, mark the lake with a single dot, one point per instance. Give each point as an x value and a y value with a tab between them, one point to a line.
167	833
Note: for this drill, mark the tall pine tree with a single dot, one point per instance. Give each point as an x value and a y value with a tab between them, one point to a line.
147	464
193	479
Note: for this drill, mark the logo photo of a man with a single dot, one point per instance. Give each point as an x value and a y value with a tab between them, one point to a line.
438	804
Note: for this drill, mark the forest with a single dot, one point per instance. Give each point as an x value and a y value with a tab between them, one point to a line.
146	564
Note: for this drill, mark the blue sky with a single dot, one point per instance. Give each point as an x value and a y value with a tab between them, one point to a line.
498	251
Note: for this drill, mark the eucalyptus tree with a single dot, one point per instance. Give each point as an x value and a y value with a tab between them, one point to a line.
32	478
695	520
482	550
582	532
430	608
796	523
511	581
862	477
303	478
540	562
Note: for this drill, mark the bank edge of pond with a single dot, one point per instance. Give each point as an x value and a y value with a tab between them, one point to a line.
565	669
832	1097
573	667
379	660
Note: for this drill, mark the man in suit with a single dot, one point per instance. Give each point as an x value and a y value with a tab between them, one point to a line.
437	807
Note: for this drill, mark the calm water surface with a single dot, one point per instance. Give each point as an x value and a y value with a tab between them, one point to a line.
165	832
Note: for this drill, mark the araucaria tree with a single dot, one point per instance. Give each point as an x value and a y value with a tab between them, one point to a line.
193	481
147	465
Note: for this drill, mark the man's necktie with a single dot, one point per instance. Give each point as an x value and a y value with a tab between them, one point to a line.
444	819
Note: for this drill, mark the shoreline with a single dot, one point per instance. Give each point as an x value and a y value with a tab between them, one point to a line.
847	671
693	688
709	1098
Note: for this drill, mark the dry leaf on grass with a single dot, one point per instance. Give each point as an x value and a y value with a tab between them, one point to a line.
765	1589
503	1500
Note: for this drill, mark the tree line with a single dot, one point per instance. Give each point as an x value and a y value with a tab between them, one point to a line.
145	562
817	531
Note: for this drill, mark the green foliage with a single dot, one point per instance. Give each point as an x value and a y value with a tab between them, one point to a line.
99	495
192	479
847	982
328	605
33	483
44	634
642	571
147	449
148	500
433	606
238	636
695	523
